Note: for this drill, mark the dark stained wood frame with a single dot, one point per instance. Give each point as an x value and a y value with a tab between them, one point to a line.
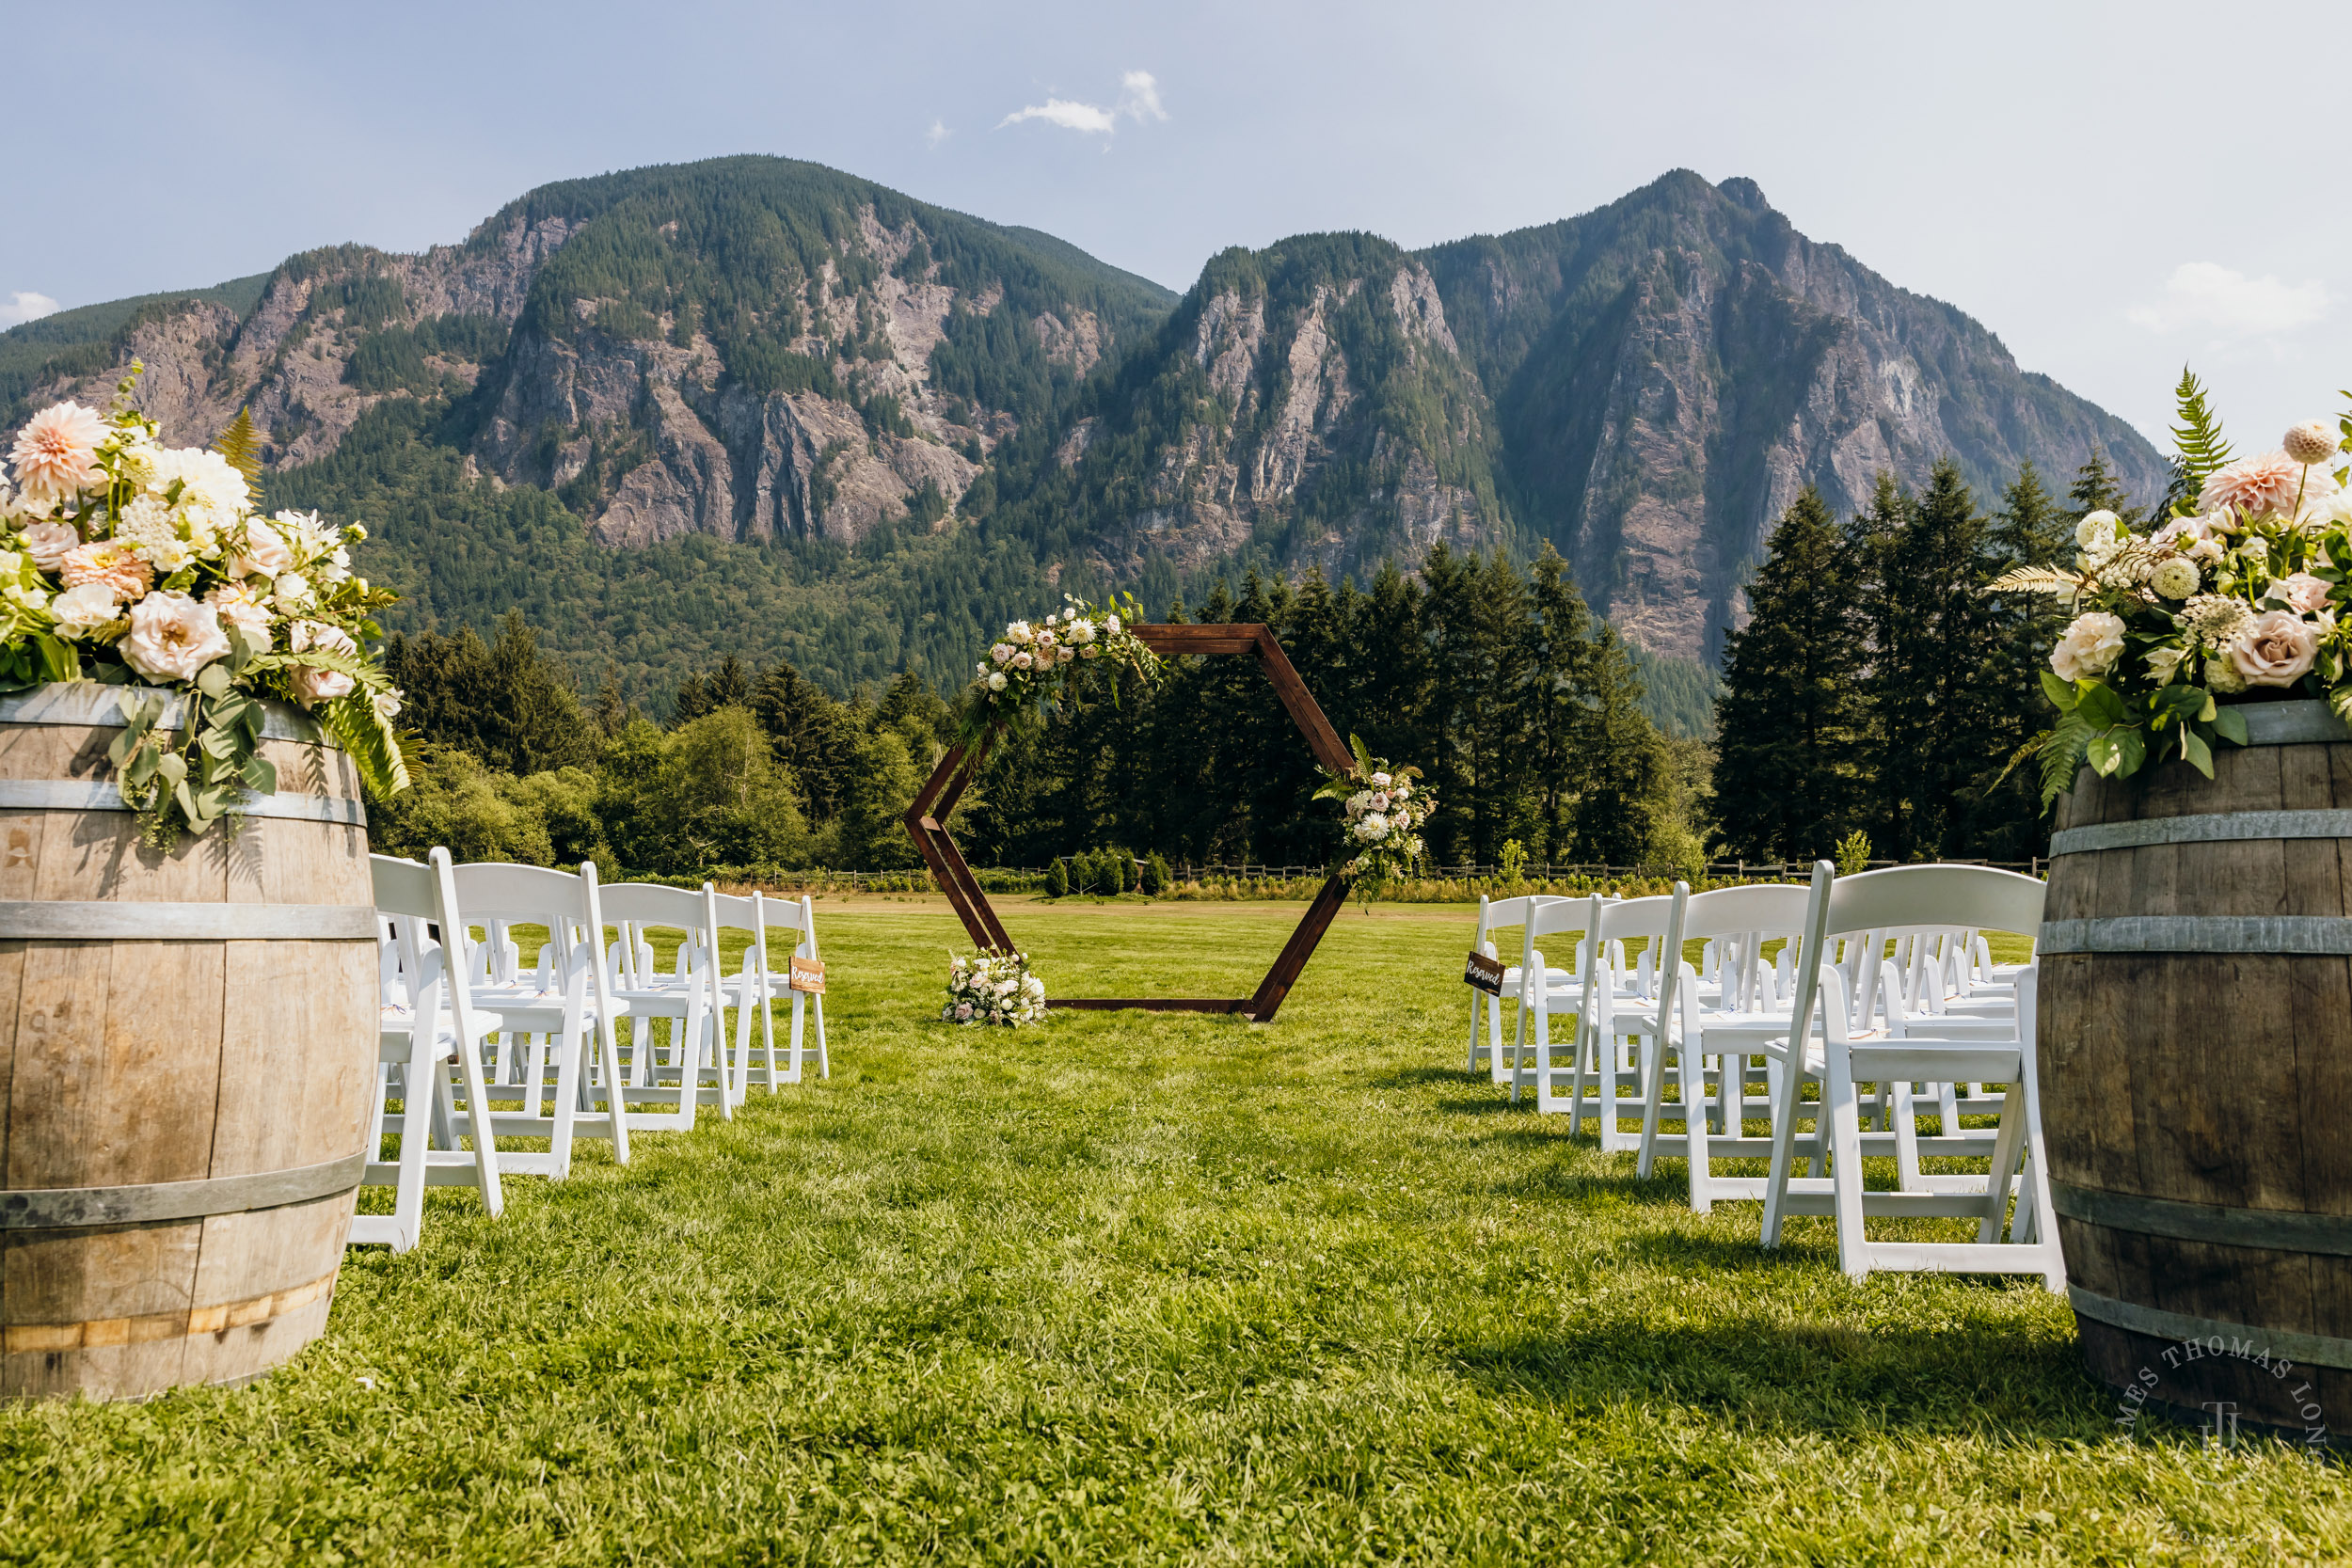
937	799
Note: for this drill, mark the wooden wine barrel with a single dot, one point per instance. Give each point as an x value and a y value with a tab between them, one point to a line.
2195	1071
185	1063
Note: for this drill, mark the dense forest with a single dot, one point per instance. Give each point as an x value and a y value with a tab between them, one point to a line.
1521	707
1880	689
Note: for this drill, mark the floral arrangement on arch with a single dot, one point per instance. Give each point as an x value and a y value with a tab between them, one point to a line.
124	561
2240	593
1386	811
993	988
1036	664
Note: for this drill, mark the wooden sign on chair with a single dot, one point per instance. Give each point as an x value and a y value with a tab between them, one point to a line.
937	800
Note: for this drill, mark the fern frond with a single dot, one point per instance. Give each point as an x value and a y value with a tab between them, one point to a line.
2199	434
241	444
368	740
2061	752
2036	579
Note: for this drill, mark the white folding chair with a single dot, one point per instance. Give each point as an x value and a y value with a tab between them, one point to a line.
429	1024
1498	915
1728	1027
798	916
1616	1008
690	1069
558	1044
1968	1051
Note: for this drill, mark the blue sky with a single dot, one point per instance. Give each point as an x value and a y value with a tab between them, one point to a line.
2097	182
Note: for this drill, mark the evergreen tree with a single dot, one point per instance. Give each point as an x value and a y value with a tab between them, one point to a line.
2029	530
812	734
1560	655
504	701
1936	720
1618	810
1790	722
2095	490
871	833
1871	535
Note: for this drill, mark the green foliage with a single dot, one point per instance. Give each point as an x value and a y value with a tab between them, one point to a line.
504	702
394	357
92	338
2198	436
1853	853
1157	878
1056	878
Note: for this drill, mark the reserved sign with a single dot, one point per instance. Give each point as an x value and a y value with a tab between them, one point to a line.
808	975
1484	973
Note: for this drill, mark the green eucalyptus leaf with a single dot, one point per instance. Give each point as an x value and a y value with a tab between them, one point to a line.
2198	754
2229	724
213	680
173	769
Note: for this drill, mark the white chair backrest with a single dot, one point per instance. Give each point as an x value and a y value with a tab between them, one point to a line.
1943	896
1774	908
653	904
498	895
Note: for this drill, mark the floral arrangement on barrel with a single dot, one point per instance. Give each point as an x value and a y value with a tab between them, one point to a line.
1386	811
124	561
2240	593
1035	665
993	988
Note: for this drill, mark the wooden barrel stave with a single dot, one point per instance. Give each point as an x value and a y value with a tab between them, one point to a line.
2217	1081
132	1063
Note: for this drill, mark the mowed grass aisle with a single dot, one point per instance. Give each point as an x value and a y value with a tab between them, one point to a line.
1135	1288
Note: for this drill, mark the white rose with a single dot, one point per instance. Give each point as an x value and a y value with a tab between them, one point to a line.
1019	632
2090	647
292	591
1022	662
172	636
2175	579
1001	652
2095	533
997	680
1111	624
83	611
1379	781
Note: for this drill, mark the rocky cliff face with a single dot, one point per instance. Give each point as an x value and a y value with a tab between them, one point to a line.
814	411
1672	370
1307	404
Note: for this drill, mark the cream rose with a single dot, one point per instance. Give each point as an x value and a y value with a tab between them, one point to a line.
2276	650
2300	590
310	683
241	607
48	544
265	553
2090	647
172	636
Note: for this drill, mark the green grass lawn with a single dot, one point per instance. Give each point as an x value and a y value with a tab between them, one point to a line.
1145	1288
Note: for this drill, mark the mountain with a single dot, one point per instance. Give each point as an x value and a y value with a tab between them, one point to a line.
758	407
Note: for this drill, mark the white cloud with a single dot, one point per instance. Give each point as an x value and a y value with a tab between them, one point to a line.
937	134
22	307
1140	97
1139	101
2208	297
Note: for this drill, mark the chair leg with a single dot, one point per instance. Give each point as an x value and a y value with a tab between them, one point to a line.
1839	1105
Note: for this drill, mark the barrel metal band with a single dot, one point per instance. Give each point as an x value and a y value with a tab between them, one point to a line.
97	795
63	920
2218	828
2310	935
2281	1229
2300	723
72	1208
2316	1350
148	1328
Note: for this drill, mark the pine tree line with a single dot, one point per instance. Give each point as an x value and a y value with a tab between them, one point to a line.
1879	689
1520	707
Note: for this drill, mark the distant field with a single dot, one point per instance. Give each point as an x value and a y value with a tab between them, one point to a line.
1133	1287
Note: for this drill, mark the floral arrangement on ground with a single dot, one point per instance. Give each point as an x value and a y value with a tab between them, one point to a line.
1036	666
993	987
124	561
1386	811
2239	593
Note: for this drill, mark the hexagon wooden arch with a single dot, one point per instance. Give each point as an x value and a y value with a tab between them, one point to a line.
937	800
